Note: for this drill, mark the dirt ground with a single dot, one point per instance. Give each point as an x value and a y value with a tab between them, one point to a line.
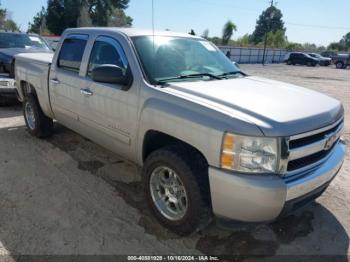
68	196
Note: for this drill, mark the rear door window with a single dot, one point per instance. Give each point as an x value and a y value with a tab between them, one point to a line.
72	52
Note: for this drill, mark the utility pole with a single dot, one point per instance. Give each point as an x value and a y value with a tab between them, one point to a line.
267	31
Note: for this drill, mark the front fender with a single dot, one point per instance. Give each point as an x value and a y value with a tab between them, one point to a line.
191	123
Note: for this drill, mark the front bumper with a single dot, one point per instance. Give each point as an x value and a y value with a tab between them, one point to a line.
254	198
8	86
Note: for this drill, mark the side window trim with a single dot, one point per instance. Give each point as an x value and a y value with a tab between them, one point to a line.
113	42
84	37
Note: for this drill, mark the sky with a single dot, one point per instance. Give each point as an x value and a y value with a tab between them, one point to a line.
313	21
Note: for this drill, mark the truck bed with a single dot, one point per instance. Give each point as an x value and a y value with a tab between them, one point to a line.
45	58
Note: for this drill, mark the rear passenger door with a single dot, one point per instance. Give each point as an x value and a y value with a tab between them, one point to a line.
65	80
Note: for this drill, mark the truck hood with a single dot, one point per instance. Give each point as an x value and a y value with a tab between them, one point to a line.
277	108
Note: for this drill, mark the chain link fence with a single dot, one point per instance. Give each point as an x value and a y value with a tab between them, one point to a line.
252	55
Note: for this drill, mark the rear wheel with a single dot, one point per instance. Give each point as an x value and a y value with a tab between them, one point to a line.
339	65
176	186
37	123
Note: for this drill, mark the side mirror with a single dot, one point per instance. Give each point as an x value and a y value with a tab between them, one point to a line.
110	74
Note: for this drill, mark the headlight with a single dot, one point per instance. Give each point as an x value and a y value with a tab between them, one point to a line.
249	154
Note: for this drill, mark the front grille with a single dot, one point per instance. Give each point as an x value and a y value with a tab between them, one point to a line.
308	160
312	139
310	149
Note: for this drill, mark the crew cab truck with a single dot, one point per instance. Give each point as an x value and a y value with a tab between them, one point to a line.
211	140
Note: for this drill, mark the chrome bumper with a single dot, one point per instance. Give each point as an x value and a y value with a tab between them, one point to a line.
254	198
7	85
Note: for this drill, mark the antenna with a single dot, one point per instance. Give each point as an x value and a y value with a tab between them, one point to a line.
153	33
153	16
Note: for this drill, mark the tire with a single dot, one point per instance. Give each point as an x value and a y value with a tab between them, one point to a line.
339	65
309	64
289	62
192	172
37	123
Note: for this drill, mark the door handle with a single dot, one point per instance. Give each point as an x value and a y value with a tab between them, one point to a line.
86	92
55	81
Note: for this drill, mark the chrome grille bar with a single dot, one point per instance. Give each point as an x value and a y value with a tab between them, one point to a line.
318	146
308	150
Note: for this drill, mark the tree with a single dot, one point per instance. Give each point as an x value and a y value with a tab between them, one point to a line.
227	33
118	18
84	19
337	46
11	25
269	21
6	22
276	39
100	10
205	34
55	19
38	25
291	46
346	40
192	32
243	41
62	14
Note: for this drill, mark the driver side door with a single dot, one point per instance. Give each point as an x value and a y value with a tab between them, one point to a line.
111	109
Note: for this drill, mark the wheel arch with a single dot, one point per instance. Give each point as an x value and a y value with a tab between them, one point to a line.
154	140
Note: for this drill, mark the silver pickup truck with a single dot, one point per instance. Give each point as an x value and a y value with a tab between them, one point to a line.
212	141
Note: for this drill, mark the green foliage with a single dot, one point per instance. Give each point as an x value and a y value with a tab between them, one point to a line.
11	25
342	45
291	46
39	23
346	40
101	10
277	39
55	19
227	33
269	21
243	41
337	46
118	18
62	14
6	23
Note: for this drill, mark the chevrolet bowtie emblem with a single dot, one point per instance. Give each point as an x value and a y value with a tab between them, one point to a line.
330	140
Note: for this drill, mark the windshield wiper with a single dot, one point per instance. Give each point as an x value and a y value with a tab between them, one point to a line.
232	73
162	81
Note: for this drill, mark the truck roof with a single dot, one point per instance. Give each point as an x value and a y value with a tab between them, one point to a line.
129	31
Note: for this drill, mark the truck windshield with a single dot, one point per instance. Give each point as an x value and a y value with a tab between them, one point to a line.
182	59
14	40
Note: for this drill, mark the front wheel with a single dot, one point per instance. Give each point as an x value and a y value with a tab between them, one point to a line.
176	186
37	123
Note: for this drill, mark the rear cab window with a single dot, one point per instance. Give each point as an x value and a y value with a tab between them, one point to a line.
72	52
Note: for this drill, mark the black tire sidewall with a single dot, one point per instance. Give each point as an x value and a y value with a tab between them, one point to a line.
32	101
341	65
167	158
